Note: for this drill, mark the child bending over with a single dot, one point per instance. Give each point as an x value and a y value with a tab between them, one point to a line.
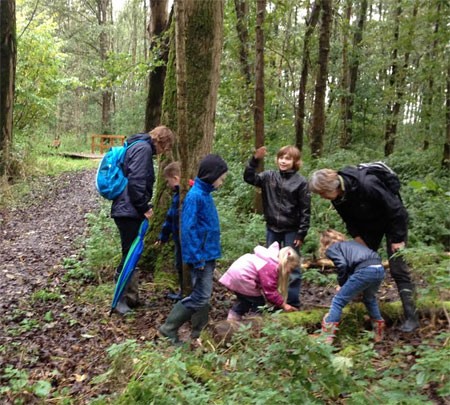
359	270
263	275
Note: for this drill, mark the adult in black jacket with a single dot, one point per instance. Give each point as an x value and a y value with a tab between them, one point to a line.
286	204
370	211
133	205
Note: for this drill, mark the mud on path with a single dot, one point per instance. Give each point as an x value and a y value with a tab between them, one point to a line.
47	329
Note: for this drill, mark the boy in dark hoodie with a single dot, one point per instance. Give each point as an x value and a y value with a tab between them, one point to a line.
200	247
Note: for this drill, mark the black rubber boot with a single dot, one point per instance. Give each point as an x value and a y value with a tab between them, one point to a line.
409	308
199	320
177	317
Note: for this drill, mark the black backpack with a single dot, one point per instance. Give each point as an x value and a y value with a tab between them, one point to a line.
384	173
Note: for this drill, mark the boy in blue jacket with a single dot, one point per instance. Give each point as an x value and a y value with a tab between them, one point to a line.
171	225
200	247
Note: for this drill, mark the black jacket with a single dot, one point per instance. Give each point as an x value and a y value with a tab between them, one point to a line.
349	257
286	198
138	168
370	210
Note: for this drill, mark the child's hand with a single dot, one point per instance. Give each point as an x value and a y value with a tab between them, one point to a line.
260	152
338	287
288	308
157	243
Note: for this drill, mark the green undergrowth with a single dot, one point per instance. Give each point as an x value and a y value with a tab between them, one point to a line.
278	364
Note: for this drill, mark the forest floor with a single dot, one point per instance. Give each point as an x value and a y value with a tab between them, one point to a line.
47	331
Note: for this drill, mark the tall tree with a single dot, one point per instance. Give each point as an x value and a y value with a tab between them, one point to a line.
158	26
104	19
318	119
446	155
8	54
311	22
259	90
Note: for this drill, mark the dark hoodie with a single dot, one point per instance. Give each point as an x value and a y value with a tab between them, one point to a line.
138	167
211	168
370	210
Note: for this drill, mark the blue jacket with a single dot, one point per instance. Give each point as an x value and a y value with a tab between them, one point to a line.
350	256
171	224
200	228
138	168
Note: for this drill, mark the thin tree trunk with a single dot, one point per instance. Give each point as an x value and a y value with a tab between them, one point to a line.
103	17
446	155
318	120
259	90
158	25
8	54
311	22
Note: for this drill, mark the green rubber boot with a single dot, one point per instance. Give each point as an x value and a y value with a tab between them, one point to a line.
177	317
199	320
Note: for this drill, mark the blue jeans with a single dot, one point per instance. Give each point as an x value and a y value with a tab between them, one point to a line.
295	279
367	281
202	286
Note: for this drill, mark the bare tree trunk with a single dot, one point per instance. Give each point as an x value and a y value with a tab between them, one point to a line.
8	54
158	25
241	7
318	119
311	22
397	81
103	17
446	155
259	91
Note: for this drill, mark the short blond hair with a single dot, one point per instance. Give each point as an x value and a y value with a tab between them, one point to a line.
293	152
324	180
172	169
328	238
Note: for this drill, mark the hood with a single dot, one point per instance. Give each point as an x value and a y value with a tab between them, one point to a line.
142	137
211	168
269	254
350	174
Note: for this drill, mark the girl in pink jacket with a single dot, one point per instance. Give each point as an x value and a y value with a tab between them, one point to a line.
261	276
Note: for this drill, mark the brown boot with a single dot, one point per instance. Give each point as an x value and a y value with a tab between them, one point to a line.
378	328
329	329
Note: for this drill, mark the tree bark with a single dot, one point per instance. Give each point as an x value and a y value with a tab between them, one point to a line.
159	23
311	22
8	54
104	18
318	120
259	91
446	155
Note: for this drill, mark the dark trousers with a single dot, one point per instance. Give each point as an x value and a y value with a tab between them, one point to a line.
295	279
245	304
128	231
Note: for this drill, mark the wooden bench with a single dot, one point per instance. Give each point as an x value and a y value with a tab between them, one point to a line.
104	142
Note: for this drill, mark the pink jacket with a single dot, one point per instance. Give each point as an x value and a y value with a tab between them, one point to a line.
256	274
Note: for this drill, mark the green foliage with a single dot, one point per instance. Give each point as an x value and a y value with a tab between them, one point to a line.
314	276
47	295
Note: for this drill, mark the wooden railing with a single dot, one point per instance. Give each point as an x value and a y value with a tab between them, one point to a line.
104	142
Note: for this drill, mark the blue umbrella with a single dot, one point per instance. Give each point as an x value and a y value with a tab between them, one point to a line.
130	264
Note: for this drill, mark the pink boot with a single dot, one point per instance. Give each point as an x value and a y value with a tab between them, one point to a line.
378	328
329	329
233	316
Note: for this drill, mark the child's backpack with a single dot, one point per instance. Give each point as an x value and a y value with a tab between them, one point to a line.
111	180
384	173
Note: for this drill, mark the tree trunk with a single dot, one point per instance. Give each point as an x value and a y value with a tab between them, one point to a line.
446	156
259	91
190	93
158	26
311	22
103	18
8	54
318	119
397	80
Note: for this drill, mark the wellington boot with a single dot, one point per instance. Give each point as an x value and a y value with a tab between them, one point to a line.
199	320
329	329
409	308
122	308
177	317
378	327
